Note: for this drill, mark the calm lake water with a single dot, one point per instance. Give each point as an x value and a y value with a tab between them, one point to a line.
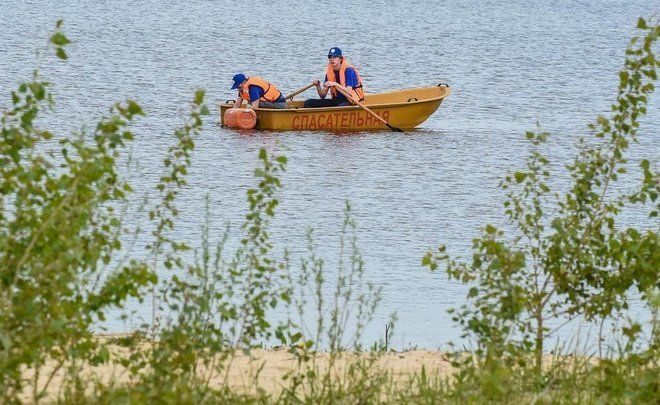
511	65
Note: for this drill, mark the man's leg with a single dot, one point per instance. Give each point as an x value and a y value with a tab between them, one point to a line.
321	102
269	104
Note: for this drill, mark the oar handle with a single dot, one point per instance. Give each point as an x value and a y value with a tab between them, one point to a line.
295	93
365	108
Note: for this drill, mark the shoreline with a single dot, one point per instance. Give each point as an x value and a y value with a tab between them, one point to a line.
264	369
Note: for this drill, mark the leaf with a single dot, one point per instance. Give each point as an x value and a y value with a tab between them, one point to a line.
38	90
134	108
199	97
60	53
59	39
520	176
641	24
426	259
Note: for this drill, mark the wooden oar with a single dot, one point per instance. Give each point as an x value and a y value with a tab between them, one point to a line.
364	107
295	93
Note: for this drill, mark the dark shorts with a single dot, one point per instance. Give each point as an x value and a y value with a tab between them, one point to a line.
273	104
280	103
322	102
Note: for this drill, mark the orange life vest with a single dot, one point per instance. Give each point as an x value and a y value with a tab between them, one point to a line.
357	92
270	91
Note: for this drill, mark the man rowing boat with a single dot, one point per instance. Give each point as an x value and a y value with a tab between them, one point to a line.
338	74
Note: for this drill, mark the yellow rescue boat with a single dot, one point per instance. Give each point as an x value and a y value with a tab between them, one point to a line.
403	109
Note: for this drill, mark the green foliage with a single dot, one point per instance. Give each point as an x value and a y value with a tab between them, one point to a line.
219	306
353	302
338	324
571	260
59	40
606	262
58	232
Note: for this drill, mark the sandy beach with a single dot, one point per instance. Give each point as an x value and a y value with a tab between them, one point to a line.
264	369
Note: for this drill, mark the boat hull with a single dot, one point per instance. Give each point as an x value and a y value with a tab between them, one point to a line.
404	109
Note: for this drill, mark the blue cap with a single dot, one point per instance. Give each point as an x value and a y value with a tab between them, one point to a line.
334	52
238	79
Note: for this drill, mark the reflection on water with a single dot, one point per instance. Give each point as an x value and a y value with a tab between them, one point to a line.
509	65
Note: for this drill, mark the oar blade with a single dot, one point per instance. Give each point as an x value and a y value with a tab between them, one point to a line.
393	128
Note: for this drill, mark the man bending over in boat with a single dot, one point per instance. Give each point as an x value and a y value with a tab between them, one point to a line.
338	74
258	92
